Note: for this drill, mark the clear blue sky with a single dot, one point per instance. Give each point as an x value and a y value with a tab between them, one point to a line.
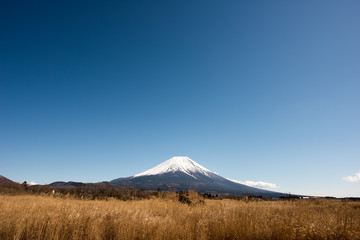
254	90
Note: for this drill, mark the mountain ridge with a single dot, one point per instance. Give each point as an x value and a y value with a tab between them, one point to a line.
5	180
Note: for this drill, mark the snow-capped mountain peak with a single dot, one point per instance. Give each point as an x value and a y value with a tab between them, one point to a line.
175	164
182	173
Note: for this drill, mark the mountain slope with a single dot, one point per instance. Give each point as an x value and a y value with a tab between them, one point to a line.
70	184
182	173
5	180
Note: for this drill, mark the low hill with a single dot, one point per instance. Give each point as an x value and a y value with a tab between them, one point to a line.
5	180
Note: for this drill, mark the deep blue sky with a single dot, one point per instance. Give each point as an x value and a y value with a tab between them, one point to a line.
254	90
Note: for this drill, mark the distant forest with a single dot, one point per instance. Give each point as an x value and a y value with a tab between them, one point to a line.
104	191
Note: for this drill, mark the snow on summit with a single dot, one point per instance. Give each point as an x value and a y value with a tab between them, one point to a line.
174	164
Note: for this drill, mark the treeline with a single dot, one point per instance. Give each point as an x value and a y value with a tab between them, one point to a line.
90	191
103	191
100	191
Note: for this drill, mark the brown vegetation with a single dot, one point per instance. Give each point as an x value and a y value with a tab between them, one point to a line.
165	217
89	191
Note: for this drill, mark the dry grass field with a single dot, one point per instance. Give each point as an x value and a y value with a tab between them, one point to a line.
46	217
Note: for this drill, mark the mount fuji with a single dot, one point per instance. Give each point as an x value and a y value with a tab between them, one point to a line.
182	173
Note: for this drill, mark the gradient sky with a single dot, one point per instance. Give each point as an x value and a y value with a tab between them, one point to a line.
253	90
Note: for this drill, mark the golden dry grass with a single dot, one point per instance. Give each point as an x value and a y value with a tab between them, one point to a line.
45	217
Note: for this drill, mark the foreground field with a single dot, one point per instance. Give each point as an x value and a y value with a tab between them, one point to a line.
45	217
